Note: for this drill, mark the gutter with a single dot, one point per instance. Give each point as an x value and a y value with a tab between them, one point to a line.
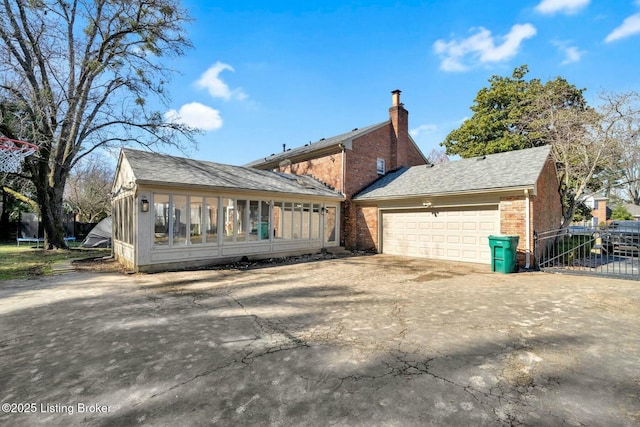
232	190
449	193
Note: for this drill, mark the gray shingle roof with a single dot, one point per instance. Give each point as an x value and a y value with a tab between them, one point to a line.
512	169
316	146
154	168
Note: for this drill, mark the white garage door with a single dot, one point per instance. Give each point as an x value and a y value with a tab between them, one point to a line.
458	234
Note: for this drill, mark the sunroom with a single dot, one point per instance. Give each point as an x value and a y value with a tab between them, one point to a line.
171	212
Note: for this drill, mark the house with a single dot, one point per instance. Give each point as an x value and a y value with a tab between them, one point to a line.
368	189
172	212
386	180
600	212
351	161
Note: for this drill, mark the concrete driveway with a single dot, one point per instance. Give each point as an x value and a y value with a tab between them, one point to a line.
374	340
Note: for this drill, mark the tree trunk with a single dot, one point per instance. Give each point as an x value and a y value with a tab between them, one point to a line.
52	220
50	200
4	218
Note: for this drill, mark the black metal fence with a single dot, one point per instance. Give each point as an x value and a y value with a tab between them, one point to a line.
609	251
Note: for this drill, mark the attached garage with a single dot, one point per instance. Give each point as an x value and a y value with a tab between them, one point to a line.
447	211
457	234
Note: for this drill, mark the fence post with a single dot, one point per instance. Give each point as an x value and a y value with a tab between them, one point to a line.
535	250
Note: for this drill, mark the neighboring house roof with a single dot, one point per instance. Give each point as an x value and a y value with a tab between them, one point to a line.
589	198
325	144
503	171
160	169
633	209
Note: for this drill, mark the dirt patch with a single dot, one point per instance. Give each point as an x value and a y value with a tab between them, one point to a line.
109	264
249	265
439	275
99	264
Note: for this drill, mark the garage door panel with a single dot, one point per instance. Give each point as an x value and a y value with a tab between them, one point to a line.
469	240
453	234
488	226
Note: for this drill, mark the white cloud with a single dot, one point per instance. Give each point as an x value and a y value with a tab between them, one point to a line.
422	129
563	6
571	53
481	47
196	115
217	88
630	26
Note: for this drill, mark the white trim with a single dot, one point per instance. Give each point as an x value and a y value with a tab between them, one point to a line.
515	190
432	207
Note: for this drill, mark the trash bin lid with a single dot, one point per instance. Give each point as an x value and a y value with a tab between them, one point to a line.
503	237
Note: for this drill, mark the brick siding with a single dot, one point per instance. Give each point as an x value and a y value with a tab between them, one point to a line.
327	169
601	212
545	211
367	228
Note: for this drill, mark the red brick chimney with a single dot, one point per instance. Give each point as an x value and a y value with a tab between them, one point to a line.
399	131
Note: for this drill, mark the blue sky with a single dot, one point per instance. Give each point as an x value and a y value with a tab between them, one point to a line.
267	73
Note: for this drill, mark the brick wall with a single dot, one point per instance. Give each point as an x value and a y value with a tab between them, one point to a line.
327	169
414	155
513	222
367	228
601	212
545	211
361	160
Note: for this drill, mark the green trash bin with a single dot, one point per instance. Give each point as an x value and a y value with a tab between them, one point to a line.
264	231
504	253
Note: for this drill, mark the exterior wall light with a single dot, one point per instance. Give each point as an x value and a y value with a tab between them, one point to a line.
144	205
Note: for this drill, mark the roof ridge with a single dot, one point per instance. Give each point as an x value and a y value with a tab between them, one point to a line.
319	144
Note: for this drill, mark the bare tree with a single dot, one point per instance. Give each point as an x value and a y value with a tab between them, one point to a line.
88	189
626	133
78	74
437	156
583	143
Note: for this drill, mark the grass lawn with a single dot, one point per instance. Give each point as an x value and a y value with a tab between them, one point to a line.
19	262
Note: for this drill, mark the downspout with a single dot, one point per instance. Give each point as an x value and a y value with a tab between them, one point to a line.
342	168
342	233
527	230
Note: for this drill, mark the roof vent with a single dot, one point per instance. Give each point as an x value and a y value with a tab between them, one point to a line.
481	158
304	183
429	165
354	129
321	139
